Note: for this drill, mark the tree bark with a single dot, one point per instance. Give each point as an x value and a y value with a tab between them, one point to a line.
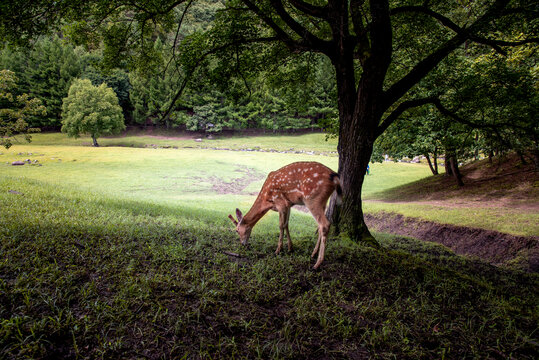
357	129
447	165
456	172
452	166
436	160
434	172
94	139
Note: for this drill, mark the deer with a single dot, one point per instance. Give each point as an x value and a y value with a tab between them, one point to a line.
300	183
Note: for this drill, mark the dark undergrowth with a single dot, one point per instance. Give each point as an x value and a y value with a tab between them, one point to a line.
86	277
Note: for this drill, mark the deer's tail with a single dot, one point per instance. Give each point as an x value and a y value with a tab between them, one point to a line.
338	189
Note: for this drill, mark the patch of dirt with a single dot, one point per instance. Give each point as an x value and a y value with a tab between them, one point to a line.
494	247
237	185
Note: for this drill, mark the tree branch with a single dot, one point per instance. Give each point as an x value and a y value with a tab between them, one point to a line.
425	10
422	68
494	127
309	9
360	30
309	39
448	23
281	34
381	35
202	58
400	110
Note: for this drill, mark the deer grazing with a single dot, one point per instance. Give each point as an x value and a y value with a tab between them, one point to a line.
300	183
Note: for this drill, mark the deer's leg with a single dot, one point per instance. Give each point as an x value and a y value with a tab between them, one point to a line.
287	231
283	224
319	215
317	246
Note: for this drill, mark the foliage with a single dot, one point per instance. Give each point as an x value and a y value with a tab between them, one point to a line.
91	110
46	71
117	80
153	90
487	119
15	110
52	65
381	58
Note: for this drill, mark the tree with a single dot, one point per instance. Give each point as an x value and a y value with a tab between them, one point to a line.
92	110
496	118
381	51
45	71
117	80
15	109
52	65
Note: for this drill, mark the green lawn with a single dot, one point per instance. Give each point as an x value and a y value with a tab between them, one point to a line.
119	252
188	174
183	177
315	142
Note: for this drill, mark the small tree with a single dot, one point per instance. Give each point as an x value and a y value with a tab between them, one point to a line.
93	110
15	109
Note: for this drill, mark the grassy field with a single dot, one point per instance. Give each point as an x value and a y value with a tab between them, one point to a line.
122	252
185	178
180	169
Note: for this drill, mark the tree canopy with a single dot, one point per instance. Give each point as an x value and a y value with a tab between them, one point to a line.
92	110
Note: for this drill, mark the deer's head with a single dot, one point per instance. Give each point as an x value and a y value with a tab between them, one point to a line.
243	230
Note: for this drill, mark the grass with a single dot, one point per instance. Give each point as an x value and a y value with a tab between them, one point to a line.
315	142
122	253
504	220
90	276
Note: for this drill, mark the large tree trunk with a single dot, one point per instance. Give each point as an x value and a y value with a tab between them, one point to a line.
356	138
361	106
353	166
94	139
452	166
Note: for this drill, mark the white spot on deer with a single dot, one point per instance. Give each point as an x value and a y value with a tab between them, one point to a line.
320	182
315	175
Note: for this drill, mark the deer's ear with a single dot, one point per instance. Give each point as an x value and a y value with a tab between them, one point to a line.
233	220
239	215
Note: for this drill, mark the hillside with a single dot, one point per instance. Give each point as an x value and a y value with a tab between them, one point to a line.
504	182
501	188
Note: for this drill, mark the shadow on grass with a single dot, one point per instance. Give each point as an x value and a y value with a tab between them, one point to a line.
88	277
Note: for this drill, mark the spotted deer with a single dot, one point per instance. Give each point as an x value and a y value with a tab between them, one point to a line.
299	183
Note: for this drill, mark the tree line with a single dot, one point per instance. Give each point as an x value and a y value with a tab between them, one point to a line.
48	68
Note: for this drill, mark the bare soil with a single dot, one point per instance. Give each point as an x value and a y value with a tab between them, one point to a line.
237	185
494	247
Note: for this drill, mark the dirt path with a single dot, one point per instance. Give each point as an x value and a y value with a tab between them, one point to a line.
491	246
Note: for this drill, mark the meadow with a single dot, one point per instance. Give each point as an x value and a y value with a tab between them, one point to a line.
124	251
